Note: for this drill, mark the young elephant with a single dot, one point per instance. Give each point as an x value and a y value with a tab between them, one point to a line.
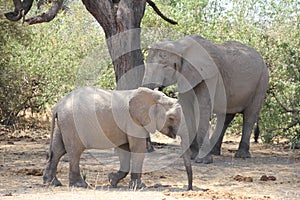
92	118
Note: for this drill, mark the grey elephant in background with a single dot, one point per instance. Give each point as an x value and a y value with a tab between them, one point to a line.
226	79
92	118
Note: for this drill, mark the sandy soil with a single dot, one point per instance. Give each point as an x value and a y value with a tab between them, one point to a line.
273	172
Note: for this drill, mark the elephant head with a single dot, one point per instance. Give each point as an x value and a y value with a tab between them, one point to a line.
155	111
184	61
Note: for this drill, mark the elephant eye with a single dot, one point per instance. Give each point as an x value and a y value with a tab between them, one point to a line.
163	55
171	118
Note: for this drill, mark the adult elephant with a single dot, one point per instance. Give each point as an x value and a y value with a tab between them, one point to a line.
226	78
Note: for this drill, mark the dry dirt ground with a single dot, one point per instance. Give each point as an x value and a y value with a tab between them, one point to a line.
273	172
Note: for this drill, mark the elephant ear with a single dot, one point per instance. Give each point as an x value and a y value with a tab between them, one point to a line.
142	107
197	65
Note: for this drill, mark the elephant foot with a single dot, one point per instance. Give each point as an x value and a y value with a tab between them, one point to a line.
150	148
79	183
51	181
206	160
242	154
113	179
194	154
135	184
216	151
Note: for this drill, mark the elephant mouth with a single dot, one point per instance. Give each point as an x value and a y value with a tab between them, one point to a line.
171	132
152	86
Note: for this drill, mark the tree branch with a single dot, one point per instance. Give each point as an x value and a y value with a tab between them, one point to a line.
47	17
152	4
291	125
281	104
104	12
21	9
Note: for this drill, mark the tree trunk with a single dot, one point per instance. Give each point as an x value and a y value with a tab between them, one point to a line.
121	23
120	20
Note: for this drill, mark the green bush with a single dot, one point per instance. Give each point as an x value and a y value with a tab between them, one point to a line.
39	64
12	75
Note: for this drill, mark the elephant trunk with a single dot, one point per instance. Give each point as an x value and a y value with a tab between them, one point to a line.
153	76
188	167
151	86
185	145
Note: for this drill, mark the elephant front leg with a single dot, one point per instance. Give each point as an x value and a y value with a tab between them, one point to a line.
136	171
124	157
204	155
150	147
138	149
204	114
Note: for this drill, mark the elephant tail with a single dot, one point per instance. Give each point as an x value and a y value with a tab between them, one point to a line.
256	133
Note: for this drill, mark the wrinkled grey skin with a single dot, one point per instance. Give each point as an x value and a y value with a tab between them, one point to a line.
92	118
232	74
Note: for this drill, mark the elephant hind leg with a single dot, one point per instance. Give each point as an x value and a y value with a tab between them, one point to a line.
124	157
244	146
219	132
250	116
75	178
56	152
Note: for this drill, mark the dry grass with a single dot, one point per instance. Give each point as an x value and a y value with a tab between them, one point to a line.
22	157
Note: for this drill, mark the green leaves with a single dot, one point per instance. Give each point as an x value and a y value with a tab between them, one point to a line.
39	63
